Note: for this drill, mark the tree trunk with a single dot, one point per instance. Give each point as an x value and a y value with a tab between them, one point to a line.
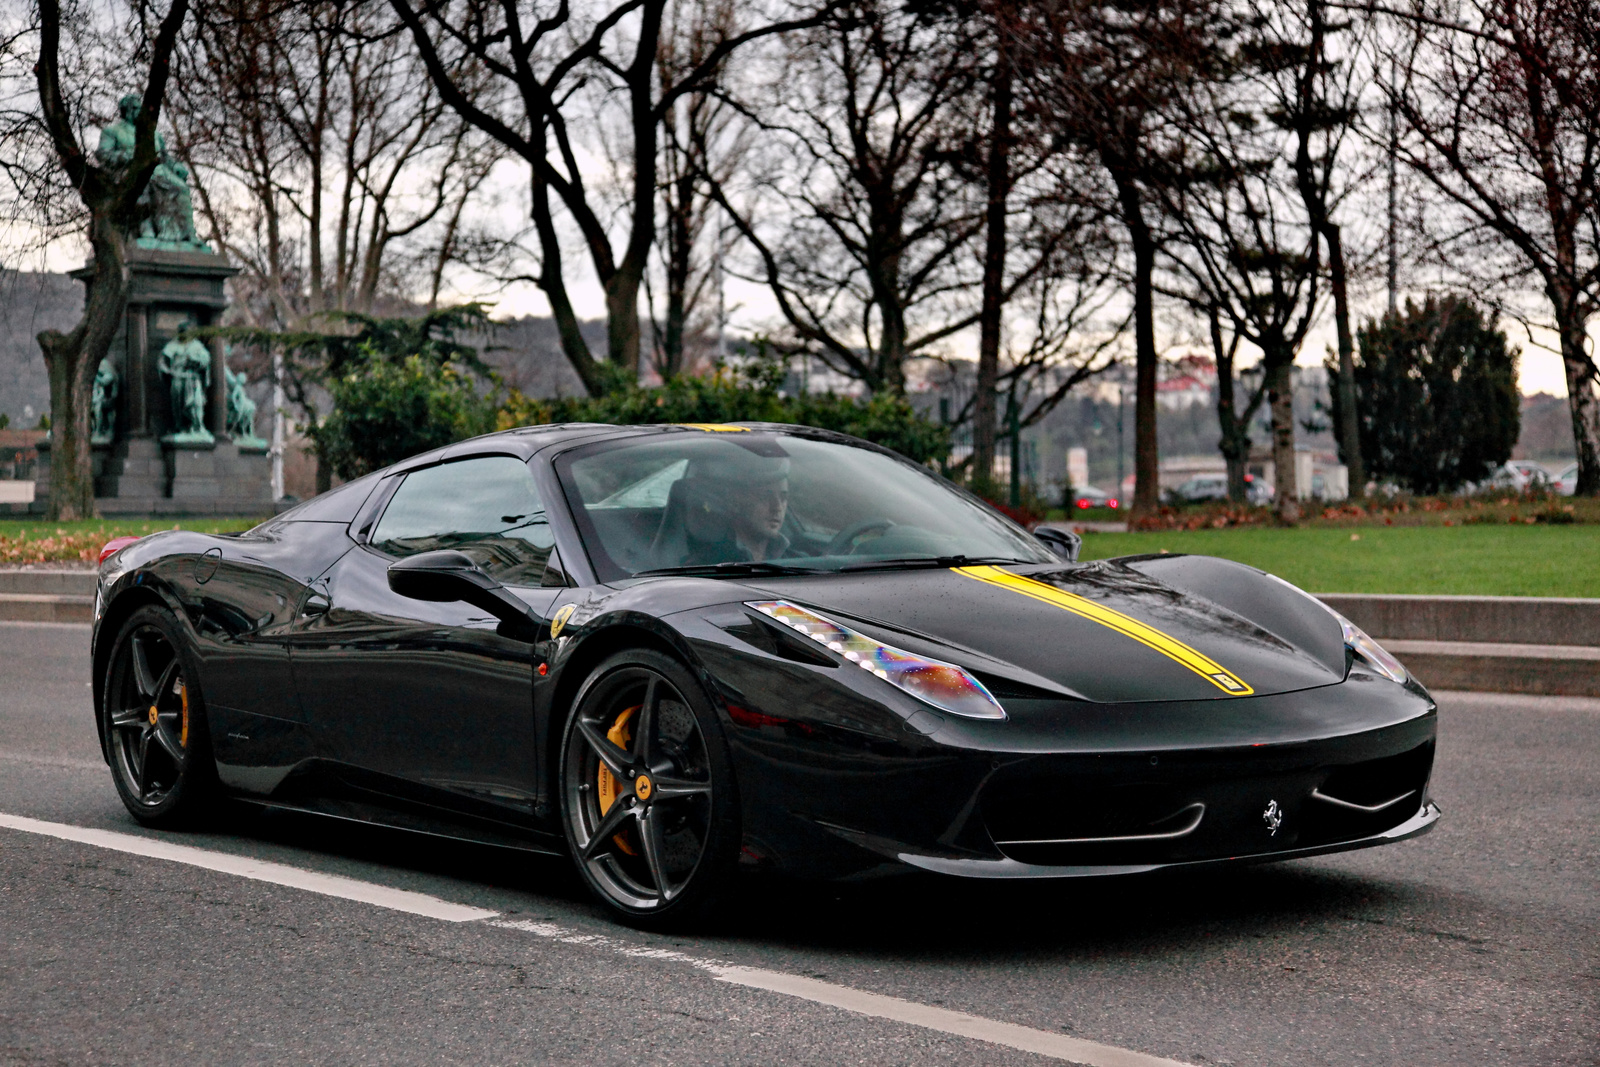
680	247
1350	431
72	360
994	264
553	284
1146	449
1235	443
1280	400
71	469
1582	402
622	323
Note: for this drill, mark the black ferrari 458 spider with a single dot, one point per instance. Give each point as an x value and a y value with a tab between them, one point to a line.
670	651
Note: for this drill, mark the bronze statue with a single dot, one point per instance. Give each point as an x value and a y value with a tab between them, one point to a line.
166	207
103	403
241	411
187	367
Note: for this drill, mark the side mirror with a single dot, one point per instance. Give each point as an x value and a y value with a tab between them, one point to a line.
1063	543
447	575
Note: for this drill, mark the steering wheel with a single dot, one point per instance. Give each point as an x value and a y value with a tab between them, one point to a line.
843	542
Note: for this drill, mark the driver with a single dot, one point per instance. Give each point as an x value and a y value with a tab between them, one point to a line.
743	500
756	513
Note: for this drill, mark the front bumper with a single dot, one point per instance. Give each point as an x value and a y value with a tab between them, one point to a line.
1416	826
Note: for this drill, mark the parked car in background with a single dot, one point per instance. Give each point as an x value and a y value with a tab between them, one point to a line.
1527	474
1090	497
1203	487
1565	480
1518	476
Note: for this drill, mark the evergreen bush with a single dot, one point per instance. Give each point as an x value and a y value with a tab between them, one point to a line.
1436	393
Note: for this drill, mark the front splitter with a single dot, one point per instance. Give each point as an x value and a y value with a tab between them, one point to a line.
1416	826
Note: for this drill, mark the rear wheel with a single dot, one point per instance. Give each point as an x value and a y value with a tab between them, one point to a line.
649	805
154	724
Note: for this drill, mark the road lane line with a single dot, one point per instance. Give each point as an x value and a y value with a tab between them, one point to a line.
957	1023
875	1005
330	885
52	761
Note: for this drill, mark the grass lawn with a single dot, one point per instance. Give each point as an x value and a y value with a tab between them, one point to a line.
1486	560
37	541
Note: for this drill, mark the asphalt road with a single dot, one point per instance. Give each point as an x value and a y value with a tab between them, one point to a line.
1479	944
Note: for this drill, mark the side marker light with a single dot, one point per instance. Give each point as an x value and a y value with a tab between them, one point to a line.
113	546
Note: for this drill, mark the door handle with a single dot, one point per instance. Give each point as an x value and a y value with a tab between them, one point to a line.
316	604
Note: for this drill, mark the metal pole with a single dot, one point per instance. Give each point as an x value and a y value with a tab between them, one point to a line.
1117	492
1393	241
277	425
722	299
1016	452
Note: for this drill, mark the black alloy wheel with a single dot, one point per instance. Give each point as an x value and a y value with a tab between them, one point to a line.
648	801
154	724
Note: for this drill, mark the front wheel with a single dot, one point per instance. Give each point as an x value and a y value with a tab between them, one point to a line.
154	724
649	805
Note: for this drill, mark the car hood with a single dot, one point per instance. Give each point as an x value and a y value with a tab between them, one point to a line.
1105	631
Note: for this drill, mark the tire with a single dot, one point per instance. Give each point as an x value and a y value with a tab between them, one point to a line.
154	723
649	805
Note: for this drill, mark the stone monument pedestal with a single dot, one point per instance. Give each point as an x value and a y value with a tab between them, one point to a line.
143	470
143	476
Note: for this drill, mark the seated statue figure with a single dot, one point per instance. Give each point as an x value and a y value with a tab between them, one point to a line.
166	206
241	412
187	368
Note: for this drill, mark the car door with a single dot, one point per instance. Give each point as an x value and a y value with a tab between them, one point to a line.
247	593
433	701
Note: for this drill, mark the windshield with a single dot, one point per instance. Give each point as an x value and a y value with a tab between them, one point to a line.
751	500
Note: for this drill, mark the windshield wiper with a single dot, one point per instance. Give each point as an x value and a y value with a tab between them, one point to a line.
731	568
929	561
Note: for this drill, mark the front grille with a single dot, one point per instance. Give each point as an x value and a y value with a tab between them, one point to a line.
1133	809
1369	797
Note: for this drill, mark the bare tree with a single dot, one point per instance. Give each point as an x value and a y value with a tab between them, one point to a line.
1233	414
110	196
537	69
1501	104
1248	253
862	215
890	218
1317	94
999	177
1109	73
328	166
702	142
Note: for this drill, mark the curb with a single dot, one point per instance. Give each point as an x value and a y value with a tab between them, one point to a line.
1448	642
46	607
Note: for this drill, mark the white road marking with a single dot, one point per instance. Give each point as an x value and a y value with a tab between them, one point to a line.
41	625
52	761
958	1023
875	1005
329	885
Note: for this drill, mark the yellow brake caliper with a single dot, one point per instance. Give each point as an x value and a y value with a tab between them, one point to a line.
621	735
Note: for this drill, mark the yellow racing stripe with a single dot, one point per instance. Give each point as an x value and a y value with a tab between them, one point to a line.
1125	625
715	427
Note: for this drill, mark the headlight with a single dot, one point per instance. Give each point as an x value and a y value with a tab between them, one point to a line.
1375	655
943	685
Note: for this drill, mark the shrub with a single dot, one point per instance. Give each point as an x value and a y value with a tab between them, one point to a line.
727	396
384	411
1436	391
